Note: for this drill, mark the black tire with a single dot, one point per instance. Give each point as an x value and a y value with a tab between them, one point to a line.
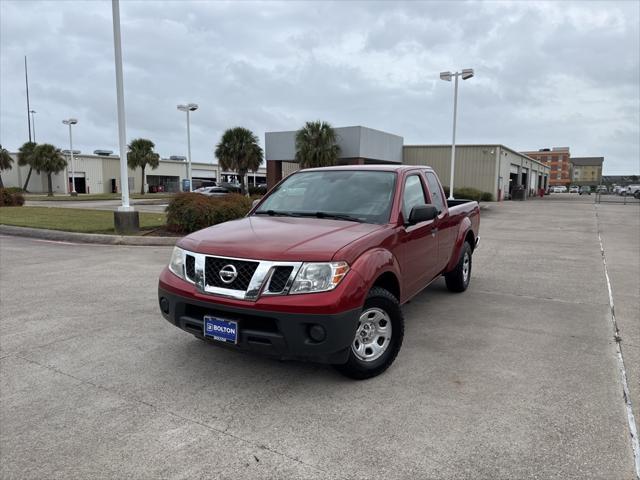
637	195
457	281
357	368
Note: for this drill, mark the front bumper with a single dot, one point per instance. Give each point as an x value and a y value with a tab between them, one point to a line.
280	334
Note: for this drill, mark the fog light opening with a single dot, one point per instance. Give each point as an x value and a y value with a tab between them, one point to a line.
164	305
317	333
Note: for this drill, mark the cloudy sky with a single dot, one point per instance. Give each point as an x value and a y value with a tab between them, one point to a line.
547	74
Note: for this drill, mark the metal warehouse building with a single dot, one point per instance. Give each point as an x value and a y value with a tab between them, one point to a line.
494	168
101	174
489	168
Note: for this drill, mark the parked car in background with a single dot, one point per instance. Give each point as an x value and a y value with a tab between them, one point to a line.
602	189
320	267
619	190
634	190
214	191
231	187
585	190
559	189
574	189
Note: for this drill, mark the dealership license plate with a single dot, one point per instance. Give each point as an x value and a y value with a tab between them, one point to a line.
221	330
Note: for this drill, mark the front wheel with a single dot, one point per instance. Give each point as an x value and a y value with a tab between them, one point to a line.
378	337
458	279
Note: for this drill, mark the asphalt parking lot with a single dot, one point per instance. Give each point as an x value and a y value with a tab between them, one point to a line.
516	378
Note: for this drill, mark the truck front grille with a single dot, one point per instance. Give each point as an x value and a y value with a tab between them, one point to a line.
190	267
245	270
279	279
244	279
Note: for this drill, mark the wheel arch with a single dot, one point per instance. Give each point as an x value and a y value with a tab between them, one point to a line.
390	282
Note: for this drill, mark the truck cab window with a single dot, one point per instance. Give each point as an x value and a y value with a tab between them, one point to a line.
434	189
413	195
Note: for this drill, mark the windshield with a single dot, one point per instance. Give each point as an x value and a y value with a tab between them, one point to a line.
363	195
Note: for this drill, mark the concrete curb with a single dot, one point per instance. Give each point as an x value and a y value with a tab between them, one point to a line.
73	237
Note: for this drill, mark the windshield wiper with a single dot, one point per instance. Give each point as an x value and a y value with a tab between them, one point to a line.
274	213
336	216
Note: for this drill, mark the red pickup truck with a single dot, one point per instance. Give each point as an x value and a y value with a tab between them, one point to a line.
320	266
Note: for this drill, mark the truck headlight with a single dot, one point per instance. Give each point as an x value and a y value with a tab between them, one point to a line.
319	277
176	264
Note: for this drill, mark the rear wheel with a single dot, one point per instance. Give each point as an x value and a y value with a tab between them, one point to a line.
378	337
458	279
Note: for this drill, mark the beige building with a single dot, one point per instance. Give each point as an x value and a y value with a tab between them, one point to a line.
101	174
586	170
492	168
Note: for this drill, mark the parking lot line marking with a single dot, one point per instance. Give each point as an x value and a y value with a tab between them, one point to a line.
635	445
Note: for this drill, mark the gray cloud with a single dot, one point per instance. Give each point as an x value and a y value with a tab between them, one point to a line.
547	74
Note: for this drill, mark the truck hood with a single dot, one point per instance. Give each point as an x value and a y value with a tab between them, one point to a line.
277	238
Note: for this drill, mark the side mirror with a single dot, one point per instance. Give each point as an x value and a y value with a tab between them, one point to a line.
422	213
254	203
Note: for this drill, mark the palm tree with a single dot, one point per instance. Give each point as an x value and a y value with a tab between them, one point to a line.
316	145
25	156
239	151
5	162
48	159
141	154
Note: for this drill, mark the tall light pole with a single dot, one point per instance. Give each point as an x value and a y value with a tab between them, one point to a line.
26	82
189	107
465	74
71	121
126	219
33	123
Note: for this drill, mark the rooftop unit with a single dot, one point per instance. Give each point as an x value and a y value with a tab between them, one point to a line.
103	153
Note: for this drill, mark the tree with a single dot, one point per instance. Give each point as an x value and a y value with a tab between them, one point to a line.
317	145
141	154
25	156
239	151
5	162
48	159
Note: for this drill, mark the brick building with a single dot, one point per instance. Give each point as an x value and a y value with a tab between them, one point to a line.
559	160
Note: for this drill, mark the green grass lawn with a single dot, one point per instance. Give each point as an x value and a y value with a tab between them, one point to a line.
71	219
94	196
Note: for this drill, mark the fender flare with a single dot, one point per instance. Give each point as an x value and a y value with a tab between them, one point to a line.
374	263
463	229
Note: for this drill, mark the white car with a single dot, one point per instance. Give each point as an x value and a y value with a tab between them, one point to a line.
213	191
574	189
559	189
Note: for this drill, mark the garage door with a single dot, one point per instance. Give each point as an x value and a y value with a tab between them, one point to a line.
200	173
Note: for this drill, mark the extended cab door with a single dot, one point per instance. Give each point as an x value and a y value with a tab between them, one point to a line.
419	246
445	228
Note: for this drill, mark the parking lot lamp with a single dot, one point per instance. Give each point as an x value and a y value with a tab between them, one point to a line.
71	121
189	107
33	123
446	76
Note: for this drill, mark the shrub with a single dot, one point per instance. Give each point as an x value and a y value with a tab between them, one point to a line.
469	193
486	197
14	189
10	199
188	212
